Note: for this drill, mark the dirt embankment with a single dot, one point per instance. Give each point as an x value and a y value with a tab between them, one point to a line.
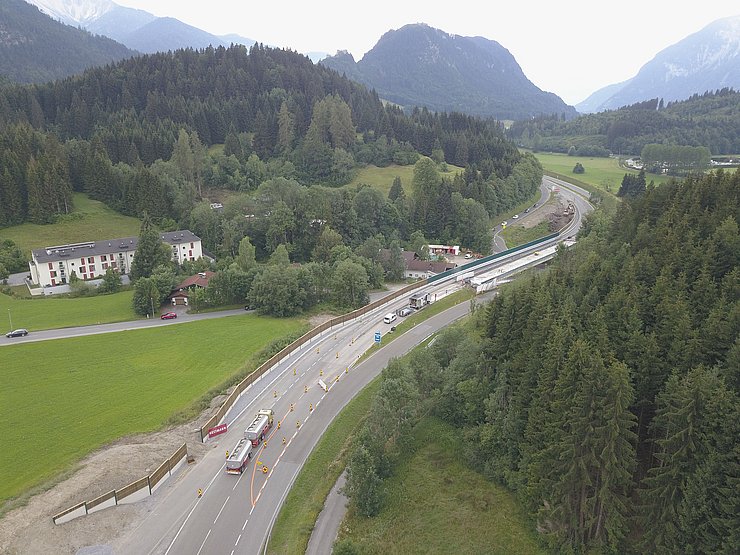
29	530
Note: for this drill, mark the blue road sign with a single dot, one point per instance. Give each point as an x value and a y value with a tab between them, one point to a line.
377	337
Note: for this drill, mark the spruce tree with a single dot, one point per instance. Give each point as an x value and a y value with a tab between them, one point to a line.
150	251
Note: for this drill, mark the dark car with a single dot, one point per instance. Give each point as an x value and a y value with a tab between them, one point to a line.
17	333
169	316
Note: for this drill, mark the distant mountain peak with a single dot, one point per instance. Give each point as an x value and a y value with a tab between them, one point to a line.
419	65
704	61
74	12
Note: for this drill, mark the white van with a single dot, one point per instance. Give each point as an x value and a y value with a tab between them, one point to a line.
390	317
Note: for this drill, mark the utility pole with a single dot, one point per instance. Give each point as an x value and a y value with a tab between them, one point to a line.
11	321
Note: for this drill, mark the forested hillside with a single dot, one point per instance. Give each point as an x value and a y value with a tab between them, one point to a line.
604	392
34	48
710	120
137	135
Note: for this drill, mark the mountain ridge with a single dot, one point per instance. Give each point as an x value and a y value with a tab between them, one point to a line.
35	48
418	65
703	61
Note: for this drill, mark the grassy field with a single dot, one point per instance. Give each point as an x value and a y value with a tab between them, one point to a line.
434	503
50	312
90	221
382	178
66	398
603	173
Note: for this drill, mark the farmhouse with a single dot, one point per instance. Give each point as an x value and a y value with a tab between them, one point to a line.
421	269
54	265
415	267
182	292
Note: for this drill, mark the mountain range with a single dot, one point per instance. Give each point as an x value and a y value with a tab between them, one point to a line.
704	61
137	29
415	65
34	48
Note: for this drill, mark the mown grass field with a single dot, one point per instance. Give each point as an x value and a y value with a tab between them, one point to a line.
63	312
603	173
382	178
61	400
91	220
434	503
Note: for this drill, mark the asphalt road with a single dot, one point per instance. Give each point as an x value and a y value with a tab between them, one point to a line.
63	333
235	513
498	243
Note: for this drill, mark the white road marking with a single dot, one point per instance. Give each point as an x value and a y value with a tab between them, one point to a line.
222	508
204	542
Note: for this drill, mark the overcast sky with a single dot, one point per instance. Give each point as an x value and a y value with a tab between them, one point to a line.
571	48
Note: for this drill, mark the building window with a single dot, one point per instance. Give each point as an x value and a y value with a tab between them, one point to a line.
83	269
113	264
51	265
90	259
92	269
190	254
82	260
191	245
53	274
103	258
105	265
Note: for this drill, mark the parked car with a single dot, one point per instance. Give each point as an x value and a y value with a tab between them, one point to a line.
169	316
405	311
515	216
20	332
468	255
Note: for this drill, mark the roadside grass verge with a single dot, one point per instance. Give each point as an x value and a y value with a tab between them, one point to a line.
63	399
417	317
90	220
323	467
435	501
63	312
515	235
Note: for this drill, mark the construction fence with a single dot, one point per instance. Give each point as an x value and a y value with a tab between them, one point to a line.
297	344
131	493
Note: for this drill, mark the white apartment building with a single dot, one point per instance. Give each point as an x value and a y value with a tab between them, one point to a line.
53	265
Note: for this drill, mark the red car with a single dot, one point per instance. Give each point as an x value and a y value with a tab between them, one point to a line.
168	316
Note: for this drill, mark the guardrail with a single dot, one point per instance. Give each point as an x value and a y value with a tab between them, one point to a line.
490	258
297	344
128	494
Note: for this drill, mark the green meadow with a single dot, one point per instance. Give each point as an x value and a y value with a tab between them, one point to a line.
382	178
90	220
65	398
603	173
64	312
